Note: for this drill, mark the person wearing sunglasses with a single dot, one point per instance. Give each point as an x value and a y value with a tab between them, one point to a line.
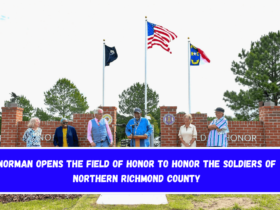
65	135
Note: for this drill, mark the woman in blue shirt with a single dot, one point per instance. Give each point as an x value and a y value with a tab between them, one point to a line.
32	135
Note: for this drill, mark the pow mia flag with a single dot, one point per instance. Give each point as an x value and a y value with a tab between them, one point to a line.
110	55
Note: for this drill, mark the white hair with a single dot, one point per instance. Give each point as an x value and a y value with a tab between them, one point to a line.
189	116
97	110
32	122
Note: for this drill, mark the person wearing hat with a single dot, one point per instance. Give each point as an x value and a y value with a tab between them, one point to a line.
99	133
139	126
218	130
65	135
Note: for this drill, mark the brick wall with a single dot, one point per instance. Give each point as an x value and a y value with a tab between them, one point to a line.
13	127
9	130
168	132
270	116
265	132
242	134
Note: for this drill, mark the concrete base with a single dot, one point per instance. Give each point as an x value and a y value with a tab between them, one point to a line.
132	199
269	103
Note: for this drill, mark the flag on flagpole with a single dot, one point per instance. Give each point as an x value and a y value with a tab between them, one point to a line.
157	35
198	57
110	55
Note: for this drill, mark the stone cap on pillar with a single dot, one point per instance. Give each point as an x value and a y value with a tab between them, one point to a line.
269	103
11	104
169	108
108	107
11	108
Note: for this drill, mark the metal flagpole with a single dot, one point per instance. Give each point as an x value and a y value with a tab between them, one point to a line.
103	69
146	66
189	72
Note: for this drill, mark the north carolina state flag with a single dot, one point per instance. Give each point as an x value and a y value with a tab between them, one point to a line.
198	57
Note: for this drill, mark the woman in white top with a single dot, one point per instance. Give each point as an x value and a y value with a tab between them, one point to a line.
187	132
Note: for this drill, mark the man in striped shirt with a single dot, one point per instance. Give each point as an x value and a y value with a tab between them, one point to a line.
218	130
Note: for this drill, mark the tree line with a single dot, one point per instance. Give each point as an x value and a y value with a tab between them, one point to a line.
64	99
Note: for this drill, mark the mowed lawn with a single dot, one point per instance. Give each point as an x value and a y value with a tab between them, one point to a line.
199	202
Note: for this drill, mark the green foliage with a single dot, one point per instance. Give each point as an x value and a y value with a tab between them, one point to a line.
229	118
56	118
42	115
259	71
156	116
65	99
24	103
244	106
156	127
134	97
122	119
210	118
236	207
181	113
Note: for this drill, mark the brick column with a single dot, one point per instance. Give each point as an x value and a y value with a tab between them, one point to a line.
9	131
80	122
200	121
169	134
270	116
112	110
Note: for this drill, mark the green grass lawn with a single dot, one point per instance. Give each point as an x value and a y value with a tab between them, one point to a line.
175	202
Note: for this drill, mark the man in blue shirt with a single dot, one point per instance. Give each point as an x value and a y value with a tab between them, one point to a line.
218	130
139	126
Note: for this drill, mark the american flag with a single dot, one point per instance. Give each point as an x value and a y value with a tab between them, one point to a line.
157	35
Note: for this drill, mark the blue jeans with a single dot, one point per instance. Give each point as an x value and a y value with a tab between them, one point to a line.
102	144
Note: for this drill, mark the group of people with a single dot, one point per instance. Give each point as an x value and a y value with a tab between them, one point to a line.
99	133
218	130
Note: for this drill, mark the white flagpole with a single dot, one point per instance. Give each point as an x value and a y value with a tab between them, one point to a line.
103	68
189	76
146	66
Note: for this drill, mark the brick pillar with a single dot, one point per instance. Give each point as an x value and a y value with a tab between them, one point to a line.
200	122
270	116
112	110
9	131
169	134
80	122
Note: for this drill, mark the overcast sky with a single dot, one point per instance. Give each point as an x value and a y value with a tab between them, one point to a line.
42	41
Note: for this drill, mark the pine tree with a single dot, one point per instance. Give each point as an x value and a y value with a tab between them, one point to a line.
259	72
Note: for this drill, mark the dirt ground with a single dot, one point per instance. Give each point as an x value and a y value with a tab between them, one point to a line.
218	203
